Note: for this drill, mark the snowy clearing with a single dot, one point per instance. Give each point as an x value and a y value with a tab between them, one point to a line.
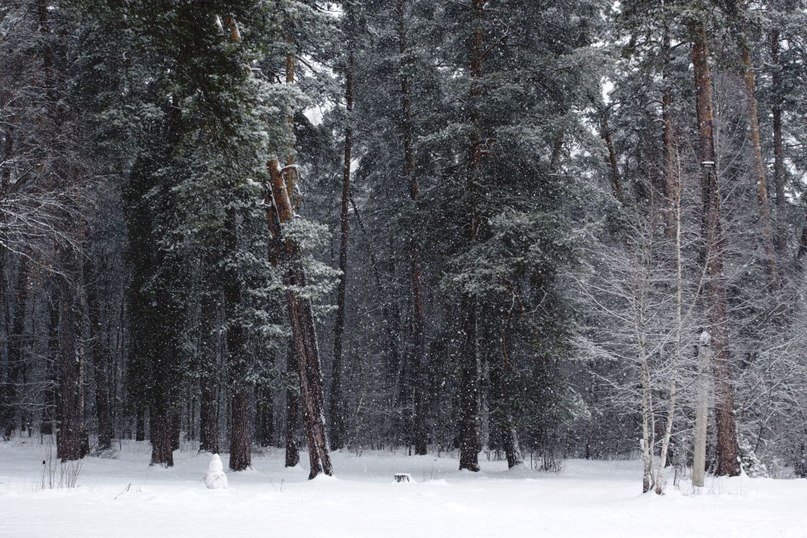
125	497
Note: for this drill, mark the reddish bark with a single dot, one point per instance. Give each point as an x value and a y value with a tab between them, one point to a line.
727	448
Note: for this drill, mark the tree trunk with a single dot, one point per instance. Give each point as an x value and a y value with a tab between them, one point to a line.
140	421
420	429
648	419
103	410
778	144
281	210
501	409
701	411
49	404
265	417
161	431
673	208
15	349
660	479
337	404
70	399
469	358
759	168
671	178
240	434
7	396
292	399
803	241
176	428
727	448
208	418
613	164
301	317
275	253
469	388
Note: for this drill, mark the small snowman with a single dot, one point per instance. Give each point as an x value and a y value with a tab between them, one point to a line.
215	477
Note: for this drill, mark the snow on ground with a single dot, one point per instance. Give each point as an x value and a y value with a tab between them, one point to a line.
124	497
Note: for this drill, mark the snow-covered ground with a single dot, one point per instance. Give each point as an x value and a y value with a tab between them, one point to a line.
125	497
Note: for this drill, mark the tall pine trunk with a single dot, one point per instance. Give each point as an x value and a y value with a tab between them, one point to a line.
469	387
209	345
240	431
419	374
778	144
161	430
759	168
469	353
337	404
501	374
240	434
140	421
48	418
727	448
264	416
70	398
15	350
613	164
103	405
672	186
292	414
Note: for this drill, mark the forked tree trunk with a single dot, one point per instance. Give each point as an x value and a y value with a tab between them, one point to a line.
301	317
727	448
759	168
281	204
420	429
275	254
